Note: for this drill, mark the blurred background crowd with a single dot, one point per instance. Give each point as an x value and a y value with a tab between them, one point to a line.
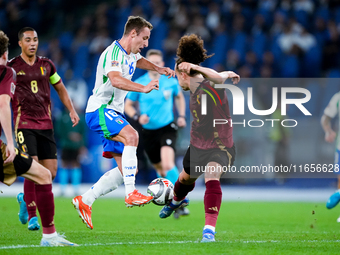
255	38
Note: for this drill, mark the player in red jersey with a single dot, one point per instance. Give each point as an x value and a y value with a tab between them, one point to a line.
211	148
14	162
32	114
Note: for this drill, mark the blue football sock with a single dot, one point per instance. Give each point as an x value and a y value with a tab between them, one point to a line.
76	175
172	175
63	178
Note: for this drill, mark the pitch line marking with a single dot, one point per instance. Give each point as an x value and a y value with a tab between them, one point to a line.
169	242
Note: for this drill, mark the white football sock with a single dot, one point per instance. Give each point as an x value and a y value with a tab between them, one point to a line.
174	202
129	165
107	183
55	234
209	227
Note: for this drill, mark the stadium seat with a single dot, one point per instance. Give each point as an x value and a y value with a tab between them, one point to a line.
337	15
302	17
259	44
81	59
311	63
158	35
240	44
323	12
219	47
290	66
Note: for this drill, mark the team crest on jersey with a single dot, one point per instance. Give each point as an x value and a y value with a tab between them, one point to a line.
114	63
12	87
43	70
119	121
167	94
21	73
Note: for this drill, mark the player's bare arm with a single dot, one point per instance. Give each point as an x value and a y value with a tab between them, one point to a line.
6	123
330	135
118	81
145	64
66	100
129	108
131	111
180	106
210	74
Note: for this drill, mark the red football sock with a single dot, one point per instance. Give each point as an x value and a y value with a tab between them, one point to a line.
30	199
181	190
212	202
45	205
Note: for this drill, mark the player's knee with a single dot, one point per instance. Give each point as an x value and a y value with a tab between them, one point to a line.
46	177
131	139
53	174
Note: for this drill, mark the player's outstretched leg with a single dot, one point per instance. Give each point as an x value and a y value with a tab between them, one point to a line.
110	181
167	210
179	201
333	200
212	205
30	199
83	210
129	167
23	214
45	204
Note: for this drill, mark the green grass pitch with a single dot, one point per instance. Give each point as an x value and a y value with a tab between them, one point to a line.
242	228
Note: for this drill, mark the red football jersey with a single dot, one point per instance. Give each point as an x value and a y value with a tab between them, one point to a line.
7	83
32	103
203	134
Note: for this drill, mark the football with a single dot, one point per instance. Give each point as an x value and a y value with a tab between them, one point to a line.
162	191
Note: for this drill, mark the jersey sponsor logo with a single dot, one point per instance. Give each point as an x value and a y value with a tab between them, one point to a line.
43	70
21	73
12	87
119	121
114	63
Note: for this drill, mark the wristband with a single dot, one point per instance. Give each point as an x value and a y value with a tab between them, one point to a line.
135	117
181	116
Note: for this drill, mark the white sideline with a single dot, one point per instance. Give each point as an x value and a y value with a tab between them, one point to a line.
175	242
230	193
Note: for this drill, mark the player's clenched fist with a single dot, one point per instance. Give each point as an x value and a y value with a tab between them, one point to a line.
154	84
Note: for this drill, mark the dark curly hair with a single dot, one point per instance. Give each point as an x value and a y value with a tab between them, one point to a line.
191	49
4	42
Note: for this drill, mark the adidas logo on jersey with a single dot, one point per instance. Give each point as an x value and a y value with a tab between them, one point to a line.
21	73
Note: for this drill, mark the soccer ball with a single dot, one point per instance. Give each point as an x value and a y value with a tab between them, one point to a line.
162	191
